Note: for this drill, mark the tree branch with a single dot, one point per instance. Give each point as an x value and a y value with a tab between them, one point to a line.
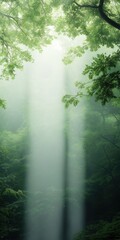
110	141
103	15
8	16
14	19
85	5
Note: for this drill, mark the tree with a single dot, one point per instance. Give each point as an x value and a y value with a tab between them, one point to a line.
103	80
102	230
102	151
100	8
28	25
103	74
23	28
13	163
84	18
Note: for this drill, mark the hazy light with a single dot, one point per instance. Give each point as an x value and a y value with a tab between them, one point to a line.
55	139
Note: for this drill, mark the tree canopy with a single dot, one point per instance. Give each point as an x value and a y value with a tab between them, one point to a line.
28	25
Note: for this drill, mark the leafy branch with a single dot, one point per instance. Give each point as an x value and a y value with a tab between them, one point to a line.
101	11
103	80
85	5
14	19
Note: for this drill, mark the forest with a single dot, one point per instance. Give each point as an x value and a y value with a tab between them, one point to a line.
27	26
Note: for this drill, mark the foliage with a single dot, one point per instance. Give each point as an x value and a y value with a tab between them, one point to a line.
103	80
28	25
102	148
12	183
86	21
102	154
102	230
2	103
24	27
83	18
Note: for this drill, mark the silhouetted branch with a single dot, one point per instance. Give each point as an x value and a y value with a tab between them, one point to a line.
105	17
109	140
8	16
101	11
85	5
14	19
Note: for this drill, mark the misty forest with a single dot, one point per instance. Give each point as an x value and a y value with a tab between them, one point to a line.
60	120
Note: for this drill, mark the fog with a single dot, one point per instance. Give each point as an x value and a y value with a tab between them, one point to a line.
55	173
55	177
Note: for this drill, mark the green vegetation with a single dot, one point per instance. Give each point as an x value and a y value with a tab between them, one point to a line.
13	160
103	80
103	230
102	154
29	25
26	26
